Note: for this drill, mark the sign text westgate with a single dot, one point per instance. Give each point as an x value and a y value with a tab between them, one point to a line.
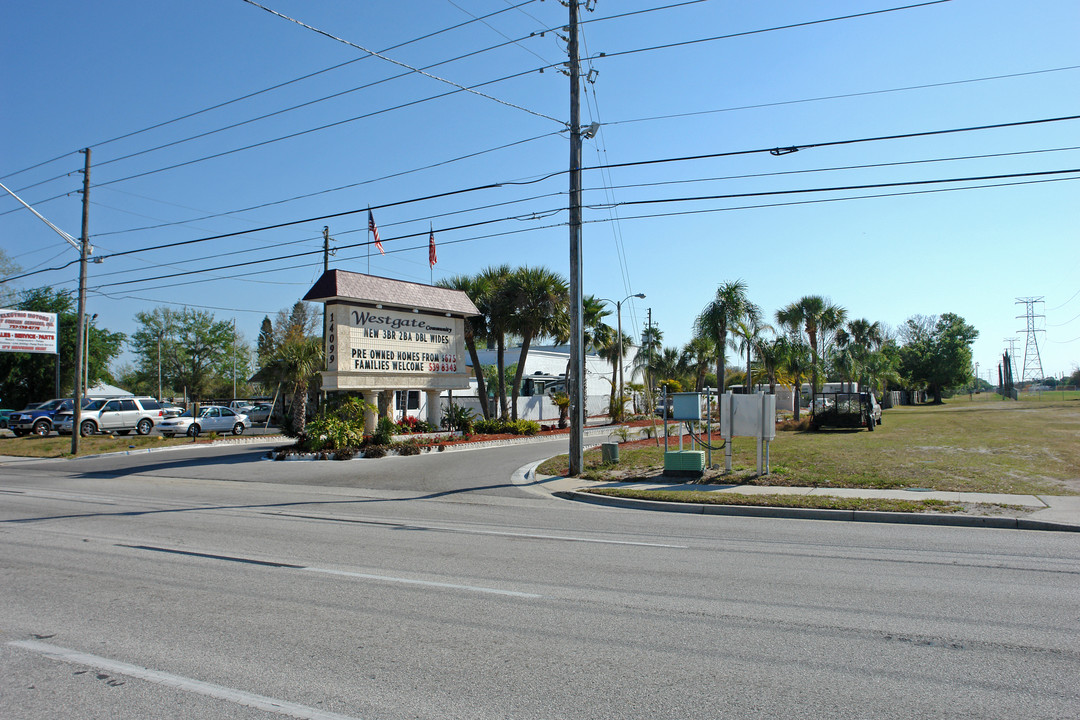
382	342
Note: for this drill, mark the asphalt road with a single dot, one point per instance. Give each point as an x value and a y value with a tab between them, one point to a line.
213	584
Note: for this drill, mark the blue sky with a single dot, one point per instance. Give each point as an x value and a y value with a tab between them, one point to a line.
84	74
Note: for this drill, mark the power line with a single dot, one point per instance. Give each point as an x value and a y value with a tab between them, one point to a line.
405	65
714	38
423	234
773	151
843	96
639	202
413	70
338	188
274	87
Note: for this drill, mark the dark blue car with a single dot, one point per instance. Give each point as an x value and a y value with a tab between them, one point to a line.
38	418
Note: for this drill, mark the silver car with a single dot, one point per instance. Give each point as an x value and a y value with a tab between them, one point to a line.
212	418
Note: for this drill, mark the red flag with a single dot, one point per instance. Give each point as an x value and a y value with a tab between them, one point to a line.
374	231
431	258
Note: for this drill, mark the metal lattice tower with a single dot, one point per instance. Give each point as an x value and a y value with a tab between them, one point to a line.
1032	363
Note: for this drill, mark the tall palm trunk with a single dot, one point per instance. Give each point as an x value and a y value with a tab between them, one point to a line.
515	389
500	359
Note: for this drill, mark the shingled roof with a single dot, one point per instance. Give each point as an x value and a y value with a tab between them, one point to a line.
373	290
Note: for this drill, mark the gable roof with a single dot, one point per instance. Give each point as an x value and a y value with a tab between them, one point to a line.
373	290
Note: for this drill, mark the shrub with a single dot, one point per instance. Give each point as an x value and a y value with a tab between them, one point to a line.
384	432
337	427
409	447
488	427
345	453
458	417
375	451
523	427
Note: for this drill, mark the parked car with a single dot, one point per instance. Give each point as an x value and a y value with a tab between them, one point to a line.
259	414
170	410
64	419
212	418
122	415
4	417
38	419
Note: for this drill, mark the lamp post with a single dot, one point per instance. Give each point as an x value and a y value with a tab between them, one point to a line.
89	320
618	318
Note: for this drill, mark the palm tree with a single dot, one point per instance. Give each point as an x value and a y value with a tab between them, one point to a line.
299	360
831	321
611	354
651	342
715	319
537	299
698	354
746	330
499	312
806	313
861	339
796	360
770	354
475	327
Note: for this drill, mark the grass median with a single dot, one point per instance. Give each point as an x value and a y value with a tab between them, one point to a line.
60	446
964	445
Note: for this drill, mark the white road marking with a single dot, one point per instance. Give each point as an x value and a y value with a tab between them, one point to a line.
426	583
259	702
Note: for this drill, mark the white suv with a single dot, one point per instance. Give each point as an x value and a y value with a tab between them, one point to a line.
121	416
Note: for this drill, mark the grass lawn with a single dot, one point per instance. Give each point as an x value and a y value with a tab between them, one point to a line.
56	446
980	445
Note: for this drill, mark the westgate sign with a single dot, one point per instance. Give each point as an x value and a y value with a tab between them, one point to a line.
387	341
27	331
386	334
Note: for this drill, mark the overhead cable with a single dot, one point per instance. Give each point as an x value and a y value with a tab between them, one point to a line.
407	66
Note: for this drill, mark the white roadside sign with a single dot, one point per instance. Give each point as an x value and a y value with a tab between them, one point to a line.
27	331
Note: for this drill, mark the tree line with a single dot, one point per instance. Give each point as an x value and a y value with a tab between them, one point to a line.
813	340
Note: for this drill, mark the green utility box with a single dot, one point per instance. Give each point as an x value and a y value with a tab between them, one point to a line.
609	453
684	463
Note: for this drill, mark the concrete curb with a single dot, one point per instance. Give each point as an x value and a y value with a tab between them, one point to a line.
818	514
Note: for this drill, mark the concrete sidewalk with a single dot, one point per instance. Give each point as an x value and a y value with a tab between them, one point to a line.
1043	512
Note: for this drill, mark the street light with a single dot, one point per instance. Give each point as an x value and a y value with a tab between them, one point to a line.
618	317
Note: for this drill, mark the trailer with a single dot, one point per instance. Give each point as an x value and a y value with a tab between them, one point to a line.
845	410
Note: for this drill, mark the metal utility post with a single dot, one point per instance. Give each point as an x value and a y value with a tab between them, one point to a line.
80	336
622	362
576	380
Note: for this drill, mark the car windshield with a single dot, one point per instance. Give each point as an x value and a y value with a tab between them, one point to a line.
94	405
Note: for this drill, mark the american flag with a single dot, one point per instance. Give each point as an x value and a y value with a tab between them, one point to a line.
431	258
374	231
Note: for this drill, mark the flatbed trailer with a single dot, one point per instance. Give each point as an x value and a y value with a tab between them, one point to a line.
845	410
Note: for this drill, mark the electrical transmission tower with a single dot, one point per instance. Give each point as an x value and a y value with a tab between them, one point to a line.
1032	363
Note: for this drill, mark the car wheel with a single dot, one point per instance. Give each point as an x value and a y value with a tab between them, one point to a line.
144	427
87	428
238	429
870	423
42	428
193	431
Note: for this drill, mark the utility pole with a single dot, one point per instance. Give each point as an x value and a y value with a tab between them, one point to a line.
576	380
326	269
80	336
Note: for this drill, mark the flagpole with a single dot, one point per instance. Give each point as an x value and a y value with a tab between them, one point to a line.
431	259
369	243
